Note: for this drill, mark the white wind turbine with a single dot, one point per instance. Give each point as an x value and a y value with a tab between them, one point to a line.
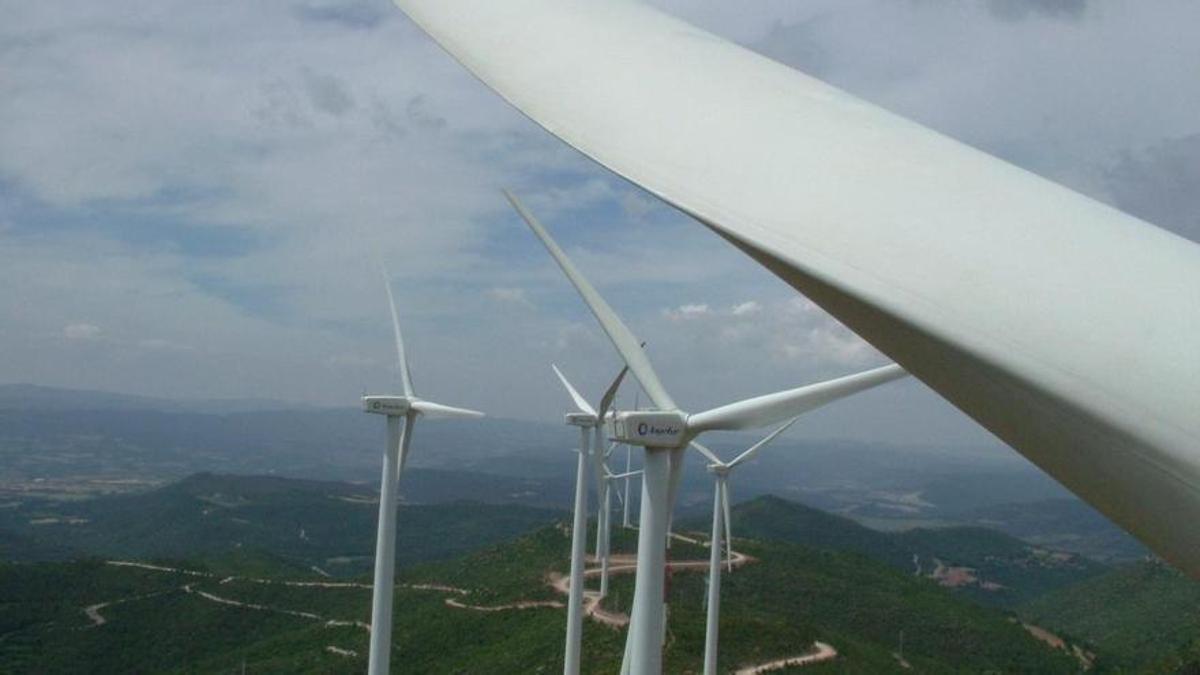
628	475
665	433
604	526
590	423
408	408
721	525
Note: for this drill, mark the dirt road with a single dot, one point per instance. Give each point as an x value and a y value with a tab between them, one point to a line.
821	652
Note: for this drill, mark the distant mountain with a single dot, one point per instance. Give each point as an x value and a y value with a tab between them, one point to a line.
327	524
1068	524
36	397
1138	614
68	444
16	547
127	437
987	565
50	434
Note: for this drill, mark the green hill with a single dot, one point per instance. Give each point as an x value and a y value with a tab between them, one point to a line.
327	524
1143	613
989	566
164	621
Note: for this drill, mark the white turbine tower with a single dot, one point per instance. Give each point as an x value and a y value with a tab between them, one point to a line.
721	525
408	408
604	526
665	433
628	475
590	423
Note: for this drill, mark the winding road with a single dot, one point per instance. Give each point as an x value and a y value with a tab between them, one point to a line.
821	652
593	602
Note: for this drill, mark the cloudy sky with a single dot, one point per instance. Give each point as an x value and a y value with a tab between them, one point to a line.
194	197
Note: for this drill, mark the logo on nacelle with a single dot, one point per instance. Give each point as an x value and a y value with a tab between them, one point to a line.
386	405
645	429
649	428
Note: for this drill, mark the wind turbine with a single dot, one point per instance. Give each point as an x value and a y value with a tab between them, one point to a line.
721	521
665	433
590	422
604	527
409	408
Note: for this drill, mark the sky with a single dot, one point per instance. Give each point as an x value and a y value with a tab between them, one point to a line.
196	198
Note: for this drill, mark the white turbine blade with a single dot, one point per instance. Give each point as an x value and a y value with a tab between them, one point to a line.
978	276
712	457
410	424
437	410
755	448
580	401
627	474
609	395
401	360
728	524
771	408
628	346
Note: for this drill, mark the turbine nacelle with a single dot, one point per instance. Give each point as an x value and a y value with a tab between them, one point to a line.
720	470
387	405
649	428
580	419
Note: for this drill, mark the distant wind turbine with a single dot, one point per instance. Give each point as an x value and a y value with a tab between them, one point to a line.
665	433
628	472
721	521
604	526
590	423
409	408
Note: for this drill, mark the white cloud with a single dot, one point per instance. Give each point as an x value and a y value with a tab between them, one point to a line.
515	296
81	331
160	344
687	311
351	361
746	308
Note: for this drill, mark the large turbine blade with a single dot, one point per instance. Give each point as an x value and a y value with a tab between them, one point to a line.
437	410
771	408
620	335
410	423
401	360
607	400
977	276
755	448
712	456
580	401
